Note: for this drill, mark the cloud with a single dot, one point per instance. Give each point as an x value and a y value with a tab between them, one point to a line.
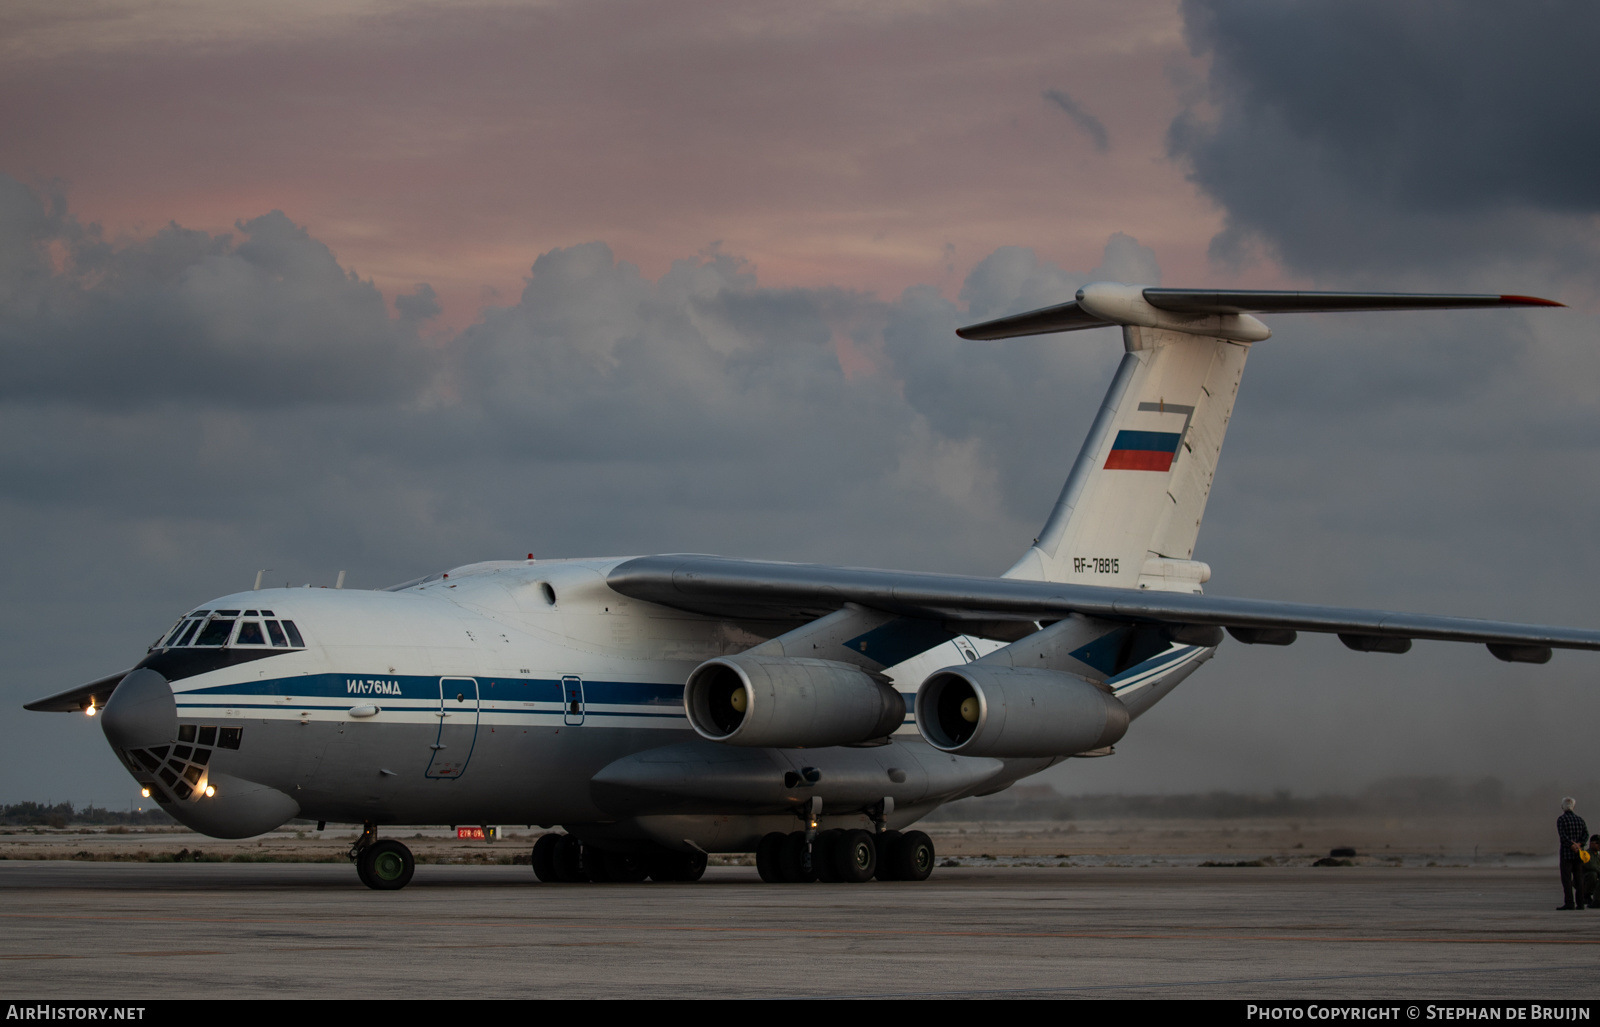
1362	138
421	304
269	318
1091	125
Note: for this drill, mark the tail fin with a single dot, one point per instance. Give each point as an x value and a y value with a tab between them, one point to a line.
1130	511
1131	508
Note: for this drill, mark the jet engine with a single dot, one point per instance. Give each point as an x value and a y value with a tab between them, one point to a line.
789	702
979	710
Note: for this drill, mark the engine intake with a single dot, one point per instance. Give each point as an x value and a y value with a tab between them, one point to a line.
789	702
979	710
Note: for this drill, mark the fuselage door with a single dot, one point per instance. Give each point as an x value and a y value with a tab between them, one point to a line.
572	699
458	727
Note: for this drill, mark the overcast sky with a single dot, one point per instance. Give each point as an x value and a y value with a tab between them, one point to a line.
389	288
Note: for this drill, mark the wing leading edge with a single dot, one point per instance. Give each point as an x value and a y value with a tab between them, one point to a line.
760	590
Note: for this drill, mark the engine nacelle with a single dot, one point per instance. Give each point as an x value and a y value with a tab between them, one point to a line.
979	710
789	702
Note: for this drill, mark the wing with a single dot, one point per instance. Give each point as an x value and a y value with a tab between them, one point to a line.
1007	608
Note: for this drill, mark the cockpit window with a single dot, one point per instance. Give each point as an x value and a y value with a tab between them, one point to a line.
217	629
227	613
215	632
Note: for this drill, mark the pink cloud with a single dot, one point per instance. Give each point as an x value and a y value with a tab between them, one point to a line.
874	150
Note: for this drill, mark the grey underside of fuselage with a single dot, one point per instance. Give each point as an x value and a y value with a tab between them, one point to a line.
671	785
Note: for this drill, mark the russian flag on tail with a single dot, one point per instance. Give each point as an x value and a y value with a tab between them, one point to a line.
1143	451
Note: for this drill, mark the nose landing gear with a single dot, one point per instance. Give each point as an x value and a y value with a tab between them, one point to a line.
382	865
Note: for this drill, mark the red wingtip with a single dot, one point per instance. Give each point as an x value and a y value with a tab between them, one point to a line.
1529	301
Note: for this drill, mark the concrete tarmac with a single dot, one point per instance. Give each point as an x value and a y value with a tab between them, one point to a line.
265	930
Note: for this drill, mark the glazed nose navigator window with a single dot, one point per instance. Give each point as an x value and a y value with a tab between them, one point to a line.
183	766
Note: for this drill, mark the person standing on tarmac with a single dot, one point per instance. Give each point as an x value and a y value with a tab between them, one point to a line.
1589	872
1573	832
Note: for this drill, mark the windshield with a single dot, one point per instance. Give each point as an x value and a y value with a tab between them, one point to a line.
218	628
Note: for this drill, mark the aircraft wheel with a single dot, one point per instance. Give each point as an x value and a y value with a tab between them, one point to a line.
681	867
822	855
386	865
791	859
886	840
594	864
912	859
544	858
855	857
568	860
767	857
693	867
623	867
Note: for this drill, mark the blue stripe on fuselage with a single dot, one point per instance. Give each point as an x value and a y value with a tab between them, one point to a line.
405	686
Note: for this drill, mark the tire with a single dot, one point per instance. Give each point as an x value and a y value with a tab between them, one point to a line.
624	867
694	867
678	867
593	862
767	857
386	865
886	840
822	858
568	860
855	857
791	859
544	858
913	857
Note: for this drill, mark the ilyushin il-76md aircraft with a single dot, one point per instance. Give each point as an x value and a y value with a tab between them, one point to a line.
662	708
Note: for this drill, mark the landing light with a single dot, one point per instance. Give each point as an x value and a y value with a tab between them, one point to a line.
144	793
210	791
90	709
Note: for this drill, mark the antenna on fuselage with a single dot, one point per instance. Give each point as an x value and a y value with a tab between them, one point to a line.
340	582
259	575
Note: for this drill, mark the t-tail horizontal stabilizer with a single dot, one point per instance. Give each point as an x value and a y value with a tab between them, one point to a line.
1109	303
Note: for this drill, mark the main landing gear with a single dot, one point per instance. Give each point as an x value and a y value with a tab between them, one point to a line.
563	858
844	856
383	865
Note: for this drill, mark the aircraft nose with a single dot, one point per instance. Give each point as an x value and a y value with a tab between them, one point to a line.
141	712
